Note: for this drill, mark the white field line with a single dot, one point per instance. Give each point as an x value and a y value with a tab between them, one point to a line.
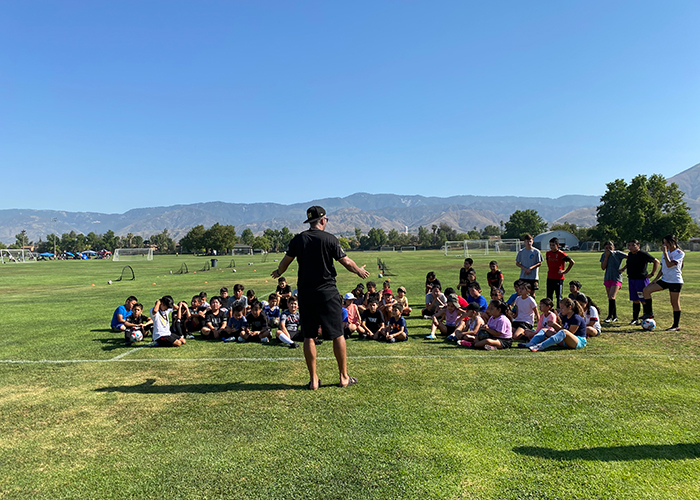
475	357
115	358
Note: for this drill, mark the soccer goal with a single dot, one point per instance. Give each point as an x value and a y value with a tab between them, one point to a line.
406	249
386	248
465	248
122	254
15	255
507	245
590	246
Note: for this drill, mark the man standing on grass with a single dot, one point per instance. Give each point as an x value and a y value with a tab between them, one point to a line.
319	300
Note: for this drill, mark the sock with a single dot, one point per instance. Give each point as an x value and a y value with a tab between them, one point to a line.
636	306
676	318
284	338
647	308
613	310
553	340
539	337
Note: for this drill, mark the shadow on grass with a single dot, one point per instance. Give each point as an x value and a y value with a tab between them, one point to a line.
679	451
149	387
102	330
112	344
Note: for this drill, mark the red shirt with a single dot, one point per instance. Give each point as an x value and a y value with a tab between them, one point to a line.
555	263
462	301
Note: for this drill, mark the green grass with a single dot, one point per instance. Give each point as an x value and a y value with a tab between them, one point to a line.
618	419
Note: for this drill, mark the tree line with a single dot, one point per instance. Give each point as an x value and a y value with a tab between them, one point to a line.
646	208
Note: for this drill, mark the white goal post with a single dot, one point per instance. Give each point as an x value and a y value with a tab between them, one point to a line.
386	248
506	245
465	248
129	254
411	248
15	255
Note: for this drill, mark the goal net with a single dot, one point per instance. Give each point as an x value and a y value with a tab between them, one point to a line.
128	254
386	248
408	248
590	246
14	255
465	248
508	245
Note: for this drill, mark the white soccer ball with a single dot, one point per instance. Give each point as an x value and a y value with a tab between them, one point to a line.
380	275
648	324
136	336
234	270
109	282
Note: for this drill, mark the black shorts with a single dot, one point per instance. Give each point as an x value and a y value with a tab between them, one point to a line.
322	308
450	329
505	343
521	324
534	284
671	287
167	341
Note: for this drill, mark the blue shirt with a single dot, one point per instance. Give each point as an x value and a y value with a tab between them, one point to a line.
115	317
237	324
395	325
612	271
575	319
483	303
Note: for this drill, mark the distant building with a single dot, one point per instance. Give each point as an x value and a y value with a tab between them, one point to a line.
566	239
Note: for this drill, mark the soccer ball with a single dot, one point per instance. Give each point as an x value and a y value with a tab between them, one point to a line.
234	270
109	282
648	324
380	275
135	336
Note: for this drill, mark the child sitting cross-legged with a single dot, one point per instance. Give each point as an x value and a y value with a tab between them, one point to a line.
289	331
272	311
136	322
527	312
215	321
396	330
497	333
236	324
569	331
161	324
447	320
372	321
403	301
469	329
257	329
546	318
354	322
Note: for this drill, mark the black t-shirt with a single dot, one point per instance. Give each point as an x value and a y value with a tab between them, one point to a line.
216	320
283	300
137	320
373	320
256	324
315	251
637	264
431	284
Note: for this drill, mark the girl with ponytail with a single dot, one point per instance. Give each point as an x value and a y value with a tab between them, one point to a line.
570	329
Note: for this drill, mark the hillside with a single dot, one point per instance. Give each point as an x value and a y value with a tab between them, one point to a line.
363	210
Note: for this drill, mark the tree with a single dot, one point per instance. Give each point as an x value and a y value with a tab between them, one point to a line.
220	238
247	237
21	239
193	241
394	238
262	243
490	230
646	209
424	237
110	240
163	242
344	243
377	238
138	241
522	222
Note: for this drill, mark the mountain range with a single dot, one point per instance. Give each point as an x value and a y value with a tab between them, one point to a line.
362	210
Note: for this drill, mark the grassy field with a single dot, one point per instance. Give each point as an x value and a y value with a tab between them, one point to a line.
83	416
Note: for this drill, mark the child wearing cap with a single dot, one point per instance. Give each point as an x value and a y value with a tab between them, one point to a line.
402	300
388	302
353	323
452	317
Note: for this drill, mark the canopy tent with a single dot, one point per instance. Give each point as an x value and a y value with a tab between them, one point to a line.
46	254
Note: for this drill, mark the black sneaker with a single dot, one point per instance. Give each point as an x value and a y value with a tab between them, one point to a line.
635	322
293	345
318	341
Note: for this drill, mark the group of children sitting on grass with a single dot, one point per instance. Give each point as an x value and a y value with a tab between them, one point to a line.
371	315
475	322
244	318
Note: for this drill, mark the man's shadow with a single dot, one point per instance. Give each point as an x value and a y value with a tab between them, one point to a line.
149	387
680	451
114	343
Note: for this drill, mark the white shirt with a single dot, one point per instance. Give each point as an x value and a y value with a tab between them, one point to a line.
673	274
161	323
526	309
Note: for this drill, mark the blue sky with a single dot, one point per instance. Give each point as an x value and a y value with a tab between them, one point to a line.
107	106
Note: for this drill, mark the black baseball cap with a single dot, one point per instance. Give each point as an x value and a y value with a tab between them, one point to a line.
314	213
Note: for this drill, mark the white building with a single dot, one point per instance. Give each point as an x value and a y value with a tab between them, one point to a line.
541	241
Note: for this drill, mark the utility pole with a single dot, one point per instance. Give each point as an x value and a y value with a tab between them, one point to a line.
54	220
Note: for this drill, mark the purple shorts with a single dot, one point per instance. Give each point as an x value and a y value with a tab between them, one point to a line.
636	289
612	283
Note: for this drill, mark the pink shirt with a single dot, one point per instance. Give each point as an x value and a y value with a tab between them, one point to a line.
353	314
501	324
542	322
